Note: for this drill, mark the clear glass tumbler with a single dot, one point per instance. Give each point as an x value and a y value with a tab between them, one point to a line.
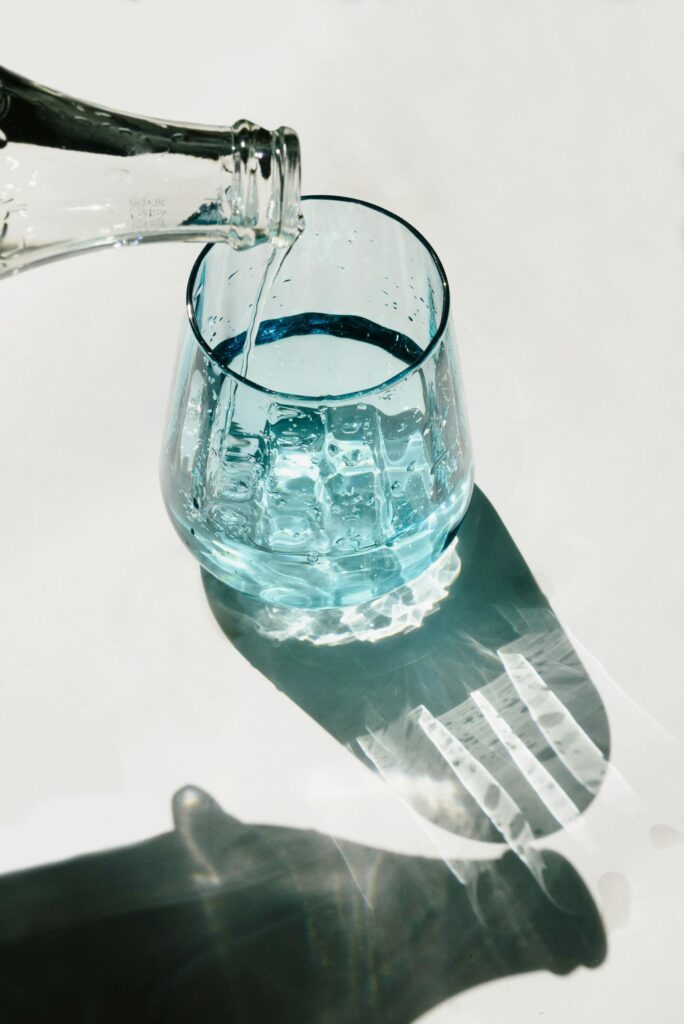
329	461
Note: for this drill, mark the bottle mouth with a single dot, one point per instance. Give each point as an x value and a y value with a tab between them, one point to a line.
286	204
264	195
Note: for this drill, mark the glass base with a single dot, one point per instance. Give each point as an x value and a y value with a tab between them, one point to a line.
341	581
400	611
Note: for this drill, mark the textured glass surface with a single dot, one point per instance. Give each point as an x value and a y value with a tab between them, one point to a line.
328	462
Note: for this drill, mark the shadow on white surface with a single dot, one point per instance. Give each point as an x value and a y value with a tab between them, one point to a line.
483	719
228	923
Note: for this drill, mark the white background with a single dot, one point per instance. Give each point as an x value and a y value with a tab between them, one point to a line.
540	147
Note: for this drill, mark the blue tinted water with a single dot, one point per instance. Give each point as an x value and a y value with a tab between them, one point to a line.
346	326
322	503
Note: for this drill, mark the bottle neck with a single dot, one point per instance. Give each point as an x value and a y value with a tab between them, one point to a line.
74	176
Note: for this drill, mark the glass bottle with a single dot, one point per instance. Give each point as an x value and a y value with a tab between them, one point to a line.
74	176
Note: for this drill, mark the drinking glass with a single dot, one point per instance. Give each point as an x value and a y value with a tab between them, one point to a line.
324	459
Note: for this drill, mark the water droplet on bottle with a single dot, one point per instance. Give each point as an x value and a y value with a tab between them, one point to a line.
312	558
3	139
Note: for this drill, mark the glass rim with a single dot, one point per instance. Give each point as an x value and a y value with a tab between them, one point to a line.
362	392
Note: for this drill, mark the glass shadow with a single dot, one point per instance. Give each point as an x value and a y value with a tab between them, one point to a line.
227	923
483	719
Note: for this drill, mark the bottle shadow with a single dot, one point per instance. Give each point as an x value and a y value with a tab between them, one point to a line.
482	719
228	923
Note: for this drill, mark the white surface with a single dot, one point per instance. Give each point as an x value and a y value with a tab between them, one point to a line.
539	147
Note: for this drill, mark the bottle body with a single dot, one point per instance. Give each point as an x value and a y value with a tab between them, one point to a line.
74	176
